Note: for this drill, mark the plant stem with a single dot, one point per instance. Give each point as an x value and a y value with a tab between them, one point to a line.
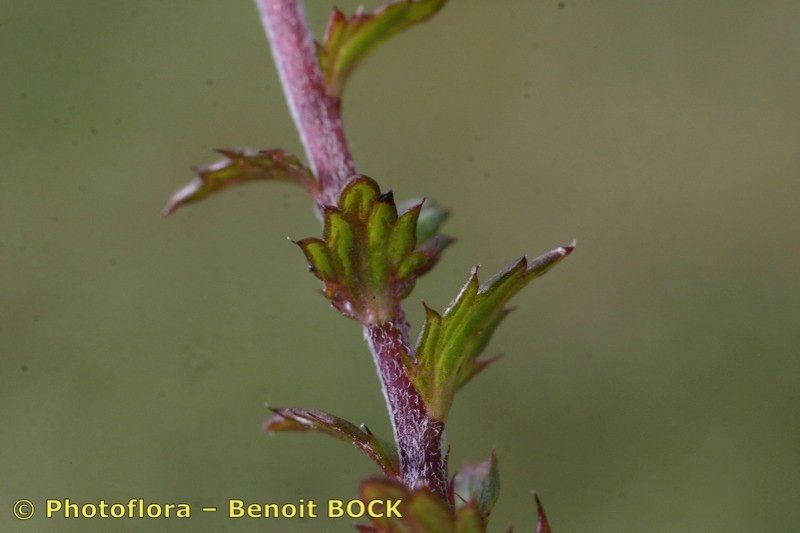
423	461
316	114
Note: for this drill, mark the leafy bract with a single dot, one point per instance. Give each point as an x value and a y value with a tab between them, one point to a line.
449	345
242	165
348	40
300	419
369	256
477	484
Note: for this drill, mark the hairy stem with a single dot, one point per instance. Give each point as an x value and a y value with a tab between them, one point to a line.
423	461
316	114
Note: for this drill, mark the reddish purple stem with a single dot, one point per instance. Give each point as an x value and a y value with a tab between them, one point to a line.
423	461
317	115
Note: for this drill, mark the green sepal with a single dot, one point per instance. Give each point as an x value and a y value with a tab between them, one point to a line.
340	237
242	165
369	257
318	257
300	419
403	238
379	229
348	40
478	484
449	344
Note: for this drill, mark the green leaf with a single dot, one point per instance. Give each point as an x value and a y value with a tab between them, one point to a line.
300	419
449	344
348	40
242	165
368	258
478	484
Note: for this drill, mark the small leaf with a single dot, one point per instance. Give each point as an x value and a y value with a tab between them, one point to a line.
239	166
421	510
299	419
542	525
469	520
449	344
429	513
478	484
347	41
374	488
369	259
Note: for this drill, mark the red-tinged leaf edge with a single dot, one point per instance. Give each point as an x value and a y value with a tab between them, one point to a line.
446	355
301	419
348	40
242	165
542	524
473	367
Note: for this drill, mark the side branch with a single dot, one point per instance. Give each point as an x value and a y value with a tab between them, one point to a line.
316	114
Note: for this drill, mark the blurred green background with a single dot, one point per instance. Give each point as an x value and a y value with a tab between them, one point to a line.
651	382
